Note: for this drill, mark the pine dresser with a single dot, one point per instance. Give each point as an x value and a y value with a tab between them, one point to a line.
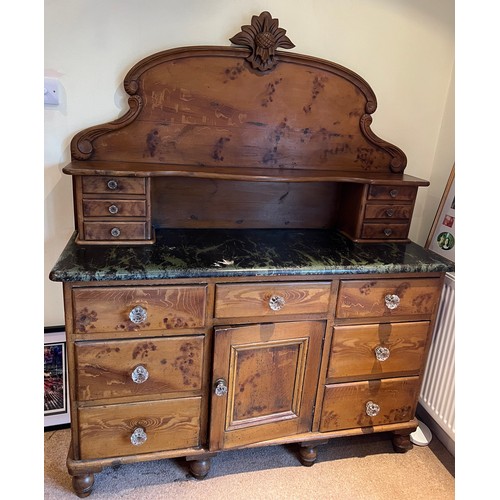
240	272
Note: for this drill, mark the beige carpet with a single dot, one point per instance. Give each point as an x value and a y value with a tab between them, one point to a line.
361	467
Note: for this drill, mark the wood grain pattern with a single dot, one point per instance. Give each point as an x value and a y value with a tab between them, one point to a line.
249	300
344	405
353	350
366	298
104	369
170	424
168	308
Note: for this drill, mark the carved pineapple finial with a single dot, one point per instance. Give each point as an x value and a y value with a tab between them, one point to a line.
263	37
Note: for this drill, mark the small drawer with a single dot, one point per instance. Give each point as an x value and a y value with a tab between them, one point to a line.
388	211
115	231
375	351
271	299
388	231
129	309
386	298
130	429
365	404
114	208
406	193
125	368
96	184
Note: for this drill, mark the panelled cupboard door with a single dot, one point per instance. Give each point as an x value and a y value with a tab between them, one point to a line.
264	381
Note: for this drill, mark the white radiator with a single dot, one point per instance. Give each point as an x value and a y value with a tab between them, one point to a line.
437	395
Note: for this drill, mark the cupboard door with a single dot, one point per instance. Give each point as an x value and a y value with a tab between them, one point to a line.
264	382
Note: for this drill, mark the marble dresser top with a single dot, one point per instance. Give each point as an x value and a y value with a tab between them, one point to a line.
204	253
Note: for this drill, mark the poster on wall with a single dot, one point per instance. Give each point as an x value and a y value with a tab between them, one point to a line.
55	378
442	237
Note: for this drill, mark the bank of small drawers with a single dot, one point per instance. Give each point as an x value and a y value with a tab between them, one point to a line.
271	299
128	309
114	209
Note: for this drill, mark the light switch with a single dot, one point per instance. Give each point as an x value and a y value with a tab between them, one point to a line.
51	91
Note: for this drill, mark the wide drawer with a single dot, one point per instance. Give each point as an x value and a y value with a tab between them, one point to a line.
376	351
385	231
96	184
385	298
271	299
111	231
388	211
139	367
365	404
407	193
128	309
107	431
114	208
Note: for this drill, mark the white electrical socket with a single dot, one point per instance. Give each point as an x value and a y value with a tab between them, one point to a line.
51	91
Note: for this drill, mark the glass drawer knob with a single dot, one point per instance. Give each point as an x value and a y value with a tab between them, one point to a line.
140	374
115	232
138	315
382	353
393	193
276	302
138	437
113	209
220	387
372	409
392	301
387	231
389	212
112	184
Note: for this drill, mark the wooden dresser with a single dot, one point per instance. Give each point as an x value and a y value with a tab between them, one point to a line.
240	272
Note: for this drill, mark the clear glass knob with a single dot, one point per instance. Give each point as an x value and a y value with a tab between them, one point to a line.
387	231
112	184
276	302
392	301
389	212
220	387
115	232
372	409
113	209
382	353
138	437
393	193
138	315
140	374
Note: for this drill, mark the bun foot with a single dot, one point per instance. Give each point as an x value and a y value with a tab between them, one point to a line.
401	441
83	484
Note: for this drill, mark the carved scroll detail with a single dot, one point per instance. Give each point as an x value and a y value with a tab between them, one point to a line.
263	37
398	162
82	146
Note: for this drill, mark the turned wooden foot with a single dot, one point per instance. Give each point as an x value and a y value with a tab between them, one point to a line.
308	453
199	466
401	441
83	484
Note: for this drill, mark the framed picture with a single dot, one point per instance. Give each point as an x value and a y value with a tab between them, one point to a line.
55	375
441	237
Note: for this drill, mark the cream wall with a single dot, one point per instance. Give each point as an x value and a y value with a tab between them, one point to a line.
403	48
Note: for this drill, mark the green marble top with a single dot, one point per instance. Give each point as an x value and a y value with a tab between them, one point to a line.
203	253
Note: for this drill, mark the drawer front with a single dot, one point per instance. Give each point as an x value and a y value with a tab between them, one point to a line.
388	211
124	368
114	208
406	193
115	231
386	231
271	299
129	309
365	404
377	351
96	184
107	431
385	298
